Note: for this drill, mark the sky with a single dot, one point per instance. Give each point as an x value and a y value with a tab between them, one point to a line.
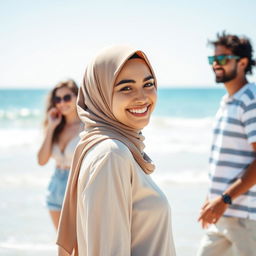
45	41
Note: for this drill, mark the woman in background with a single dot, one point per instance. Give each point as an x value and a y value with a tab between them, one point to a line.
62	127
112	206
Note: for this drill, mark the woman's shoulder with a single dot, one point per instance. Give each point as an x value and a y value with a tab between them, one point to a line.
108	154
112	147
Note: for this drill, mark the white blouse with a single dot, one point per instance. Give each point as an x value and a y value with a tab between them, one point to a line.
120	210
64	159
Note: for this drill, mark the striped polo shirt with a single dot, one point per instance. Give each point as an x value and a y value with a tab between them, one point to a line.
232	152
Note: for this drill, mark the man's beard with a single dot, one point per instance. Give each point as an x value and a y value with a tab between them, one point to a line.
226	77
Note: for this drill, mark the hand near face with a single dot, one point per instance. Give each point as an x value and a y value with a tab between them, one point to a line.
211	211
54	117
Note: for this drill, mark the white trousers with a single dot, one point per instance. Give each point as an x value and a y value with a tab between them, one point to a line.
229	237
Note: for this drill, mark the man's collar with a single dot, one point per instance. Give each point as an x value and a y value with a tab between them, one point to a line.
227	98
238	94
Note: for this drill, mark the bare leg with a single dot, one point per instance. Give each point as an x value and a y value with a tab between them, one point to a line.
55	215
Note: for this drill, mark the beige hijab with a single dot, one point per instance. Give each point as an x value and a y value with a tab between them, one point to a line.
94	109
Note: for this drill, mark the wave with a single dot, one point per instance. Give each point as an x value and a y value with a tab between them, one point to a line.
27	246
38	178
187	177
20	113
163	135
173	135
179	147
25	180
13	138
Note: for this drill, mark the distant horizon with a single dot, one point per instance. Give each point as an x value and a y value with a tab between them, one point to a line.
214	86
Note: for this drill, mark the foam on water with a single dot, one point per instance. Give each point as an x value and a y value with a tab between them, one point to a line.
178	146
19	113
178	135
24	179
12	138
173	134
12	245
185	177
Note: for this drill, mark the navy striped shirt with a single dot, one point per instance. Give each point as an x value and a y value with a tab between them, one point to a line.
232	152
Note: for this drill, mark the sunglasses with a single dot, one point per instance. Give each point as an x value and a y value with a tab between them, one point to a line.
65	98
222	59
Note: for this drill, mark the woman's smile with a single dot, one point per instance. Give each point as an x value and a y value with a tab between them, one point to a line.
139	111
134	95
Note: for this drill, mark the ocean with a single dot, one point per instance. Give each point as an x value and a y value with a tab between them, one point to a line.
178	140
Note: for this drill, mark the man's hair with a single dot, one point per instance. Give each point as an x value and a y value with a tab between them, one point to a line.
240	46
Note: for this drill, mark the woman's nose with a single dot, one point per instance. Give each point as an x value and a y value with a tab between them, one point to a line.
141	96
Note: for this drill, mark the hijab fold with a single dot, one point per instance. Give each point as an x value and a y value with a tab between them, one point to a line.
94	109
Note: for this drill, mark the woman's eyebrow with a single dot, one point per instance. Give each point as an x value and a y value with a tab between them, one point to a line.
125	81
148	78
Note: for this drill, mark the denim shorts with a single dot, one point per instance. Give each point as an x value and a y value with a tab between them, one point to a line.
56	189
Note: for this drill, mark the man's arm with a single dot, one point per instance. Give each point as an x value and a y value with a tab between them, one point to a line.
213	210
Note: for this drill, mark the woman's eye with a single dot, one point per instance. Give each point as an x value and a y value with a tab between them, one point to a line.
149	84
126	88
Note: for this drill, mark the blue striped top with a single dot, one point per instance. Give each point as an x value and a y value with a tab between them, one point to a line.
232	152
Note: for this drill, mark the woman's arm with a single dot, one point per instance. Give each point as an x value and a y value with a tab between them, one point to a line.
106	206
45	151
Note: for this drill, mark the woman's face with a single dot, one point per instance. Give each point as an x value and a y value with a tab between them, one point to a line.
65	101
134	95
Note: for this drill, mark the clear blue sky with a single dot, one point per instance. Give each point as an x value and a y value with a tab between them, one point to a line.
44	41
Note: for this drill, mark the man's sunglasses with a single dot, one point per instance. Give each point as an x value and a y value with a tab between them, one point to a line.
65	98
221	59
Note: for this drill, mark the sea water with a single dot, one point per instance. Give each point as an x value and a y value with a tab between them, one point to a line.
178	140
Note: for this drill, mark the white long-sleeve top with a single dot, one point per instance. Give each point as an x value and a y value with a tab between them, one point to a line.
120	210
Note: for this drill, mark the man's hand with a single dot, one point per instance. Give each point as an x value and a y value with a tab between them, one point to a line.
212	211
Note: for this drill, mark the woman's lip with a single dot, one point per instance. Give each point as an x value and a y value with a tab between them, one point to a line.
139	108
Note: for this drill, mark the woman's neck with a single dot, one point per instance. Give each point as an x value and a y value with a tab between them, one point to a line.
72	118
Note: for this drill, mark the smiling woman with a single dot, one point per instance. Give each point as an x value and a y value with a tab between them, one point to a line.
134	99
112	206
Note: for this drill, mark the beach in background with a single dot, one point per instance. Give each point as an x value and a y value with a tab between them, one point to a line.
178	140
